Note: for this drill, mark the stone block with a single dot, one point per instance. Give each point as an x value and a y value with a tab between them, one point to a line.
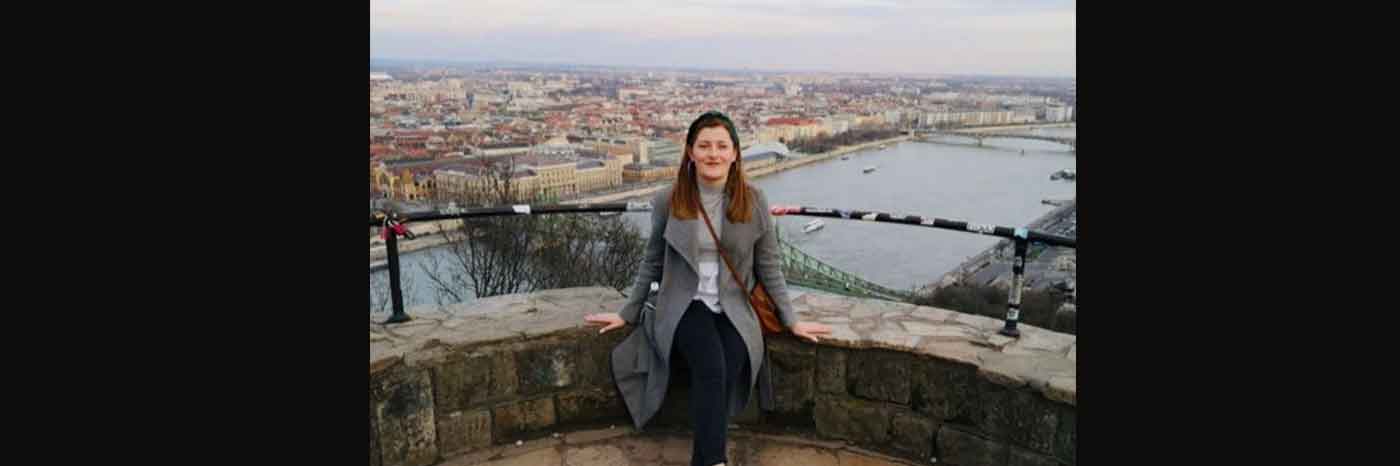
945	390
546	366
1065	320
591	406
474	379
879	375
831	417
912	434
865	423
1020	417
956	447
594	358
1066	436
451	383
831	370
793	370
482	378
463	431
402	403
374	459
523	420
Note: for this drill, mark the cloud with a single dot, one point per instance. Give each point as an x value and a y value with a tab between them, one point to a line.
639	18
877	35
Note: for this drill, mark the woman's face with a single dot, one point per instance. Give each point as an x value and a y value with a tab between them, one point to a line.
713	153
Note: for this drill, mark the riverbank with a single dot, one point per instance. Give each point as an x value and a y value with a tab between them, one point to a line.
980	129
814	158
426	238
785	165
979	264
429	236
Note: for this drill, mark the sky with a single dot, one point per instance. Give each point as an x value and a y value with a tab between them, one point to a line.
997	37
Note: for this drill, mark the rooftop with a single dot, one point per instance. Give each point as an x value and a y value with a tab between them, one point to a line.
586	164
791	121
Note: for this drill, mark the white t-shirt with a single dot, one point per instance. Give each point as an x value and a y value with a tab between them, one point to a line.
708	261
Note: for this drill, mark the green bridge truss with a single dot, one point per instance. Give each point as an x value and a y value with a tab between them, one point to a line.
800	268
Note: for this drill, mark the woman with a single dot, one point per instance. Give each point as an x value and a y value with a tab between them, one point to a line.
701	314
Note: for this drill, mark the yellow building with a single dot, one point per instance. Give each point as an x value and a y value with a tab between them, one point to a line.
400	182
554	178
593	175
385	180
480	190
540	179
869	120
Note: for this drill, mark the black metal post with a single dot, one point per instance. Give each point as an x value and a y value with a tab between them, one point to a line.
391	244
1013	304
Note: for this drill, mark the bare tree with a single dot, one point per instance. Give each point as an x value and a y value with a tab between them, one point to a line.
502	255
493	253
488	255
380	294
622	251
563	251
587	250
448	283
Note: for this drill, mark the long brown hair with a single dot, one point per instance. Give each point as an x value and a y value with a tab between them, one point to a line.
684	193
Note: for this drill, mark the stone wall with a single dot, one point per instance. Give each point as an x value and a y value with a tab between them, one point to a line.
909	381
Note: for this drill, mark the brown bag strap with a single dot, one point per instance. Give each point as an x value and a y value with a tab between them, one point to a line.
720	246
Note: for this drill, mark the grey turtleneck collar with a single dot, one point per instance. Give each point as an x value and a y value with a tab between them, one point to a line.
706	189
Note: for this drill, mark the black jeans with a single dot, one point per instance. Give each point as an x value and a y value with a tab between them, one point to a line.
717	357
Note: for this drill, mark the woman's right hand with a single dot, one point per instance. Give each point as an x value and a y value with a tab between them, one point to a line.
609	321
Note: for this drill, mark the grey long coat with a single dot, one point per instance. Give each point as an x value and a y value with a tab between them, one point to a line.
641	363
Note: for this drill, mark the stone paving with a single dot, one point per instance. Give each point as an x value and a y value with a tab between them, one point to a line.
619	446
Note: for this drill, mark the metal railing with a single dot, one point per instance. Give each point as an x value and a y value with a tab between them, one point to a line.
1022	237
393	227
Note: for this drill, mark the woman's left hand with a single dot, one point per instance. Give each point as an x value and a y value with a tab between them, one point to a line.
810	330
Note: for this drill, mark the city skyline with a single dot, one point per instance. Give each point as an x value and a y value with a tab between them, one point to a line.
1003	38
